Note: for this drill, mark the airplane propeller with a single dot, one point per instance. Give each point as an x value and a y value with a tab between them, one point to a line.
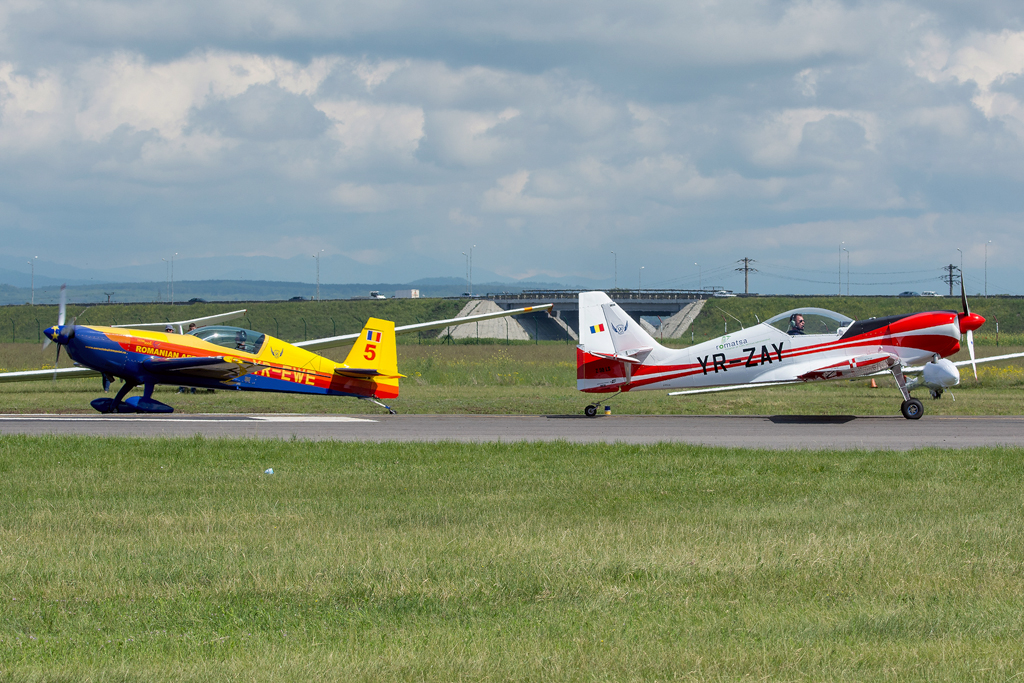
968	323
62	333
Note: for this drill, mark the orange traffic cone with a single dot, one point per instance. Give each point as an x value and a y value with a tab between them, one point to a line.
873	385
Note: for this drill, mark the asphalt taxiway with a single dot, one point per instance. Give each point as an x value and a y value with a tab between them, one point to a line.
777	432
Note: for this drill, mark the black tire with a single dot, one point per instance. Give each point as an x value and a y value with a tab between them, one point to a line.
590	411
912	409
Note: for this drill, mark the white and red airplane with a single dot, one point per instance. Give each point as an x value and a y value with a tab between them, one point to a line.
616	354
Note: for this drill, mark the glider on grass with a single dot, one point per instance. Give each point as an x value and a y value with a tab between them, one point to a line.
220	357
616	355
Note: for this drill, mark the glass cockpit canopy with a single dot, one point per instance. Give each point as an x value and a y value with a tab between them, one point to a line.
816	321
235	338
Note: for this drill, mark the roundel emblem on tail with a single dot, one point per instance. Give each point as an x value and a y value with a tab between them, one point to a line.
620	329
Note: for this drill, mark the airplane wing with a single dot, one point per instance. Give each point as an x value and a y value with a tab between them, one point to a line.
61	373
736	387
342	340
182	324
214	367
959	363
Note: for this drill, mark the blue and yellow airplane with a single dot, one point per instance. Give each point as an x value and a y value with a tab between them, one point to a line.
221	357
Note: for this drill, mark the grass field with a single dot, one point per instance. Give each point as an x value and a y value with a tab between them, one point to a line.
534	379
179	560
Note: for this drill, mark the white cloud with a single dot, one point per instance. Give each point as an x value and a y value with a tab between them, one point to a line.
777	140
988	60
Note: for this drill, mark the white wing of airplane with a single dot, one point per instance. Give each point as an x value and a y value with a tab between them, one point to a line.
961	363
181	325
343	339
61	373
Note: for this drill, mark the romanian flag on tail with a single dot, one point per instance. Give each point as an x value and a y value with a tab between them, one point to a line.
373	335
594	329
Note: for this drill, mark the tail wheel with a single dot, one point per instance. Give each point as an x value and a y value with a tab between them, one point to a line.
912	409
590	411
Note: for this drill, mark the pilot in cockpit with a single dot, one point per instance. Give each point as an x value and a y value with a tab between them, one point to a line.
796	324
240	340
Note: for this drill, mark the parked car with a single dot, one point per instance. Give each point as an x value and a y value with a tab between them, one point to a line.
297	298
908	294
930	294
197	300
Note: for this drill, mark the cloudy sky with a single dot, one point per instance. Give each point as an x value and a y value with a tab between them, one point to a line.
397	134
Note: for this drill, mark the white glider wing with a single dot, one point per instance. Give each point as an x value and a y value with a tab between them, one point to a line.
343	339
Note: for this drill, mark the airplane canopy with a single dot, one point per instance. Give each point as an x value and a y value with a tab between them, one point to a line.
235	338
816	320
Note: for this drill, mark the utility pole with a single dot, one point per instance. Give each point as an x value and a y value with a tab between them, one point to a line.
615	258
172	277
746	270
951	278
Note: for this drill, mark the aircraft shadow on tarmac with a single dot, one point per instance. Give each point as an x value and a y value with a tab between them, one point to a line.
777	419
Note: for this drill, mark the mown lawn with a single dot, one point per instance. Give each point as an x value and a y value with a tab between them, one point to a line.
179	560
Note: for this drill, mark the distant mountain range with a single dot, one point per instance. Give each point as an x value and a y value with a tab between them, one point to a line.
240	279
17	271
248	290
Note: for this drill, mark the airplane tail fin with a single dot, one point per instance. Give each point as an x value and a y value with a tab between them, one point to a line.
611	345
371	367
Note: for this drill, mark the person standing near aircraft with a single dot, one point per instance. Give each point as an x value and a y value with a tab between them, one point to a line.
796	324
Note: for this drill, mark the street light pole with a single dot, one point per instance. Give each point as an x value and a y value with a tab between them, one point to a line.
172	277
962	283
700	284
468	286
615	259
167	277
317	257
986	267
842	248
471	269
847	271
33	264
639	281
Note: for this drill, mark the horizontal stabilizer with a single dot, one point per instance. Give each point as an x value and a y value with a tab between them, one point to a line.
621	357
359	373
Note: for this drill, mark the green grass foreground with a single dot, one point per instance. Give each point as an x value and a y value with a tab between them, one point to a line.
171	560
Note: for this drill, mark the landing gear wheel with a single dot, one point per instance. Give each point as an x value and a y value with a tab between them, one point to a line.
912	409
590	411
